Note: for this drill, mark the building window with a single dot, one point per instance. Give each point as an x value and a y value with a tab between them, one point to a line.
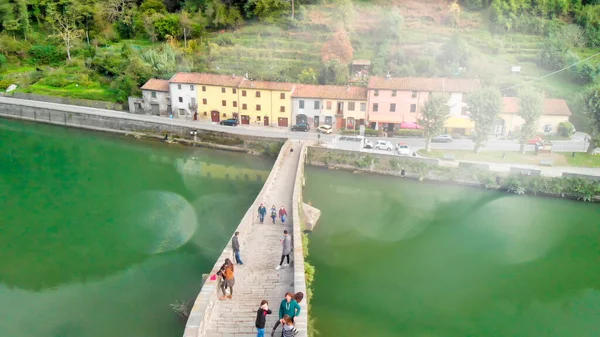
179	86
301	104
375	107
180	99
393	107
182	111
328	105
223	90
317	105
203	88
350	106
204	101
376	92
258	107
547	127
235	104
394	93
224	115
413	108
258	118
224	103
282	95
244	93
154	94
191	87
282	109
258	94
244	106
234	90
363	106
414	94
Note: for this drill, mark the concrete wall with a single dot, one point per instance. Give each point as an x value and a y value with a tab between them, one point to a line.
200	315
67	100
301	321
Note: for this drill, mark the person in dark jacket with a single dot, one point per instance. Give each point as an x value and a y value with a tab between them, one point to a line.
261	318
235	244
262	211
289	307
273	213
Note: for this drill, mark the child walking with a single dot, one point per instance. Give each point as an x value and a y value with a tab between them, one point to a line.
261	318
288	327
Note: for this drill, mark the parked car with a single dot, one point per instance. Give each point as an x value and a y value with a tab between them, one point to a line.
367	144
535	140
230	122
384	145
442	139
300	127
403	149
324	129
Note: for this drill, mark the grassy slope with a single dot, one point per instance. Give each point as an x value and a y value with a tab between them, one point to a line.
261	48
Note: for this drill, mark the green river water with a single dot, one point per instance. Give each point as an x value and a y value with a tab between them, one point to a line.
402	258
100	235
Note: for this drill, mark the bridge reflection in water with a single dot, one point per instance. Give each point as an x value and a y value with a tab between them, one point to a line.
195	166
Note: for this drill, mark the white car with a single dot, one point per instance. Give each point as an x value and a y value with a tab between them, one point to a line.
368	144
324	129
384	145
403	149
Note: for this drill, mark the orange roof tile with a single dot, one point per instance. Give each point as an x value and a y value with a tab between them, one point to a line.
209	79
156	85
552	106
331	91
425	84
266	85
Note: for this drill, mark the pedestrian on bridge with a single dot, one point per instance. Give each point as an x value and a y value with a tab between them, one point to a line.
228	278
288	307
282	214
286	250
273	213
261	318
262	211
235	244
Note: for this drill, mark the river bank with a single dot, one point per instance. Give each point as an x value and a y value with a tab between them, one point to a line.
131	125
517	180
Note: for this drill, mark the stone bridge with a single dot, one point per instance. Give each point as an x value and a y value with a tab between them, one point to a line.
258	279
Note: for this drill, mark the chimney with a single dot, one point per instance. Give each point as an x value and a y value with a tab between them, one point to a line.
388	76
233	76
252	83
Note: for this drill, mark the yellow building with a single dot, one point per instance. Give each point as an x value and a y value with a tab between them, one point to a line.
265	103
554	112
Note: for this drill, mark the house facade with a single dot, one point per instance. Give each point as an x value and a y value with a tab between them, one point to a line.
155	99
265	103
342	107
218	96
554	111
393	101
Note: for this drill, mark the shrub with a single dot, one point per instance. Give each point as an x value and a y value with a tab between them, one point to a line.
45	54
410	133
3	60
566	129
5	83
372	132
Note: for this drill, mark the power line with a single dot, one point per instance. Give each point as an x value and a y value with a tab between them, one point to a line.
556	72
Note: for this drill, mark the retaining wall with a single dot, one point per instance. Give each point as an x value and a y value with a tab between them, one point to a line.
200	315
301	321
67	100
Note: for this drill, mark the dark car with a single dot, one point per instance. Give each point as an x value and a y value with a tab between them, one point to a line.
230	122
300	127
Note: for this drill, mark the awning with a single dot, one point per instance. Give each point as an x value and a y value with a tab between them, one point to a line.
410	125
459	123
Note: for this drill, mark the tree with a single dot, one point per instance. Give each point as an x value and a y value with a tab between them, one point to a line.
63	23
335	72
308	76
591	108
392	23
433	115
338	47
484	107
346	14
566	129
530	109
454	12
186	26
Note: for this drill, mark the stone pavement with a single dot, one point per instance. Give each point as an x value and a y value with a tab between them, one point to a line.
257	279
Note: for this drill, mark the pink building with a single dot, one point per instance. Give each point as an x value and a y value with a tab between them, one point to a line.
392	101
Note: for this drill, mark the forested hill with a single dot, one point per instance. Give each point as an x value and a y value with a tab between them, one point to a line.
105	49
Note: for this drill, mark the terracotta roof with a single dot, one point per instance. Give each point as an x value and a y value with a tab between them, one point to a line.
361	62
281	86
331	91
156	85
210	79
425	84
552	106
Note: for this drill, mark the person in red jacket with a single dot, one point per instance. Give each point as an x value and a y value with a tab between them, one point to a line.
282	214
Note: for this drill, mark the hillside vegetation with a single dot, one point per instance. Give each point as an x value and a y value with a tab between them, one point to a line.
105	50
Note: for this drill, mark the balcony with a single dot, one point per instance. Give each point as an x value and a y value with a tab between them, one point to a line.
339	113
